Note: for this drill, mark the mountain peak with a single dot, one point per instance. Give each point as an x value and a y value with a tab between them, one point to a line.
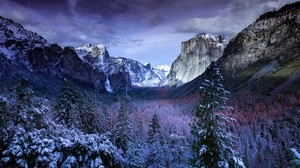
211	37
196	55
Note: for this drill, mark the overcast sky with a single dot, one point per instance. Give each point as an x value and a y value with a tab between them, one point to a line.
145	30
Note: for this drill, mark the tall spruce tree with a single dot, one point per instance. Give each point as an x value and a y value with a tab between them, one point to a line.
155	144
154	133
213	142
22	106
123	130
69	106
133	155
3	124
90	122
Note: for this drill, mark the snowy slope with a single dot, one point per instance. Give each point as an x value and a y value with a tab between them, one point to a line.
14	37
10	30
140	75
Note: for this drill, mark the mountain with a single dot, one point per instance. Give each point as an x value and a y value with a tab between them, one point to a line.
265	56
26	54
140	75
196	55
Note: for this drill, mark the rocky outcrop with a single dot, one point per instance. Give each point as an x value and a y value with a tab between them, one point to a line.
196	55
272	36
266	53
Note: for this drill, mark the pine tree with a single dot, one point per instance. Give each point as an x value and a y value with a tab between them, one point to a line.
22	106
213	142
69	106
105	120
133	156
3	114
89	119
3	124
154	133
123	131
180	150
155	144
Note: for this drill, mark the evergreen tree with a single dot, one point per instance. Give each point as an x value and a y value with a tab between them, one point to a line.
154	133
155	157
105	119
23	106
123	131
3	114
69	106
3	124
213	143
133	156
90	122
180	151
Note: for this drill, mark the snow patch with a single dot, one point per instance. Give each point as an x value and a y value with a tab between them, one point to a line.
7	53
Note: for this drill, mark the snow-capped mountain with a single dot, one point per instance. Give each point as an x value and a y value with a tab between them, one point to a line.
25	54
14	39
10	30
162	71
196	55
140	75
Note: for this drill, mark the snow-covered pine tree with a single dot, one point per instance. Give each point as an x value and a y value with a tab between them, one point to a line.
22	107
3	125
155	157
68	107
133	155
154	131
180	151
213	141
123	131
105	120
3	114
90	122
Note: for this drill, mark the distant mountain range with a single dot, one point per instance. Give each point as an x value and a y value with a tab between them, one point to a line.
140	75
25	53
263	57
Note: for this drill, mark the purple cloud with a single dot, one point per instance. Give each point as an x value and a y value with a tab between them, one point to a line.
146	30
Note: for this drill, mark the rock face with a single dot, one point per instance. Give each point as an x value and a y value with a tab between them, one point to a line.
271	35
196	55
24	53
140	75
267	49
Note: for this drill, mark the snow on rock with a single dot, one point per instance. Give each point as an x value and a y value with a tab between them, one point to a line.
95	55
162	71
140	75
10	30
296	153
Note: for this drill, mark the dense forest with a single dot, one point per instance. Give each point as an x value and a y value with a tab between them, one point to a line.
90	129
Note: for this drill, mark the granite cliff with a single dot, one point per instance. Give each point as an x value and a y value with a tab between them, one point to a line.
196	55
